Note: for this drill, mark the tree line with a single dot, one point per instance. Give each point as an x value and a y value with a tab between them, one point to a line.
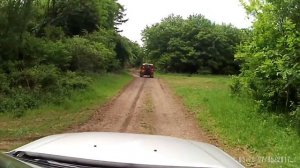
193	45
48	48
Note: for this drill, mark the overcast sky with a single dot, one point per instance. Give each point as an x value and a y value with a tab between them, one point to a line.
147	12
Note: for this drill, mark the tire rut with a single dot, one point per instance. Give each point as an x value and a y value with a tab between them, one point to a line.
116	115
132	109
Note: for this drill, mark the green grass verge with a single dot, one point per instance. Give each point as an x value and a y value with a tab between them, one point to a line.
55	118
238	121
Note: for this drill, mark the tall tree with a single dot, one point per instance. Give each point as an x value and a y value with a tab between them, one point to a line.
15	17
77	17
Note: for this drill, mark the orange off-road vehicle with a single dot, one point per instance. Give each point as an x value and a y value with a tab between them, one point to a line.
147	69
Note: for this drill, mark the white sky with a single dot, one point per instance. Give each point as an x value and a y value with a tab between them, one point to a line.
147	12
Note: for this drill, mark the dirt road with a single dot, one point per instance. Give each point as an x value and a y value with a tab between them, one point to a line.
146	106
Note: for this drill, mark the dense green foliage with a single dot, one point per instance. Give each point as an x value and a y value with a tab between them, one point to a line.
271	57
48	46
192	45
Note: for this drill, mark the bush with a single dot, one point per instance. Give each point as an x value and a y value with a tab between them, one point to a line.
17	102
271	69
236	86
56	53
36	78
85	56
38	85
89	56
73	81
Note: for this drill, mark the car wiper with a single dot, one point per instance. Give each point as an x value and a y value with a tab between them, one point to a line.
42	162
54	161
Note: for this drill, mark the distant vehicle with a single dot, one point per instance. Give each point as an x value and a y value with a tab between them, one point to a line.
109	150
147	69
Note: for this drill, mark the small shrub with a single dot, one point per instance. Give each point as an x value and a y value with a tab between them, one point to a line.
37	77
72	80
236	86
19	101
85	55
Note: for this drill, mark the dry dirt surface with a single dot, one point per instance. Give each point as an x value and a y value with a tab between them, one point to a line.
146	106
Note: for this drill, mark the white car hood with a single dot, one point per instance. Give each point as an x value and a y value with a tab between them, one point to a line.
124	149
